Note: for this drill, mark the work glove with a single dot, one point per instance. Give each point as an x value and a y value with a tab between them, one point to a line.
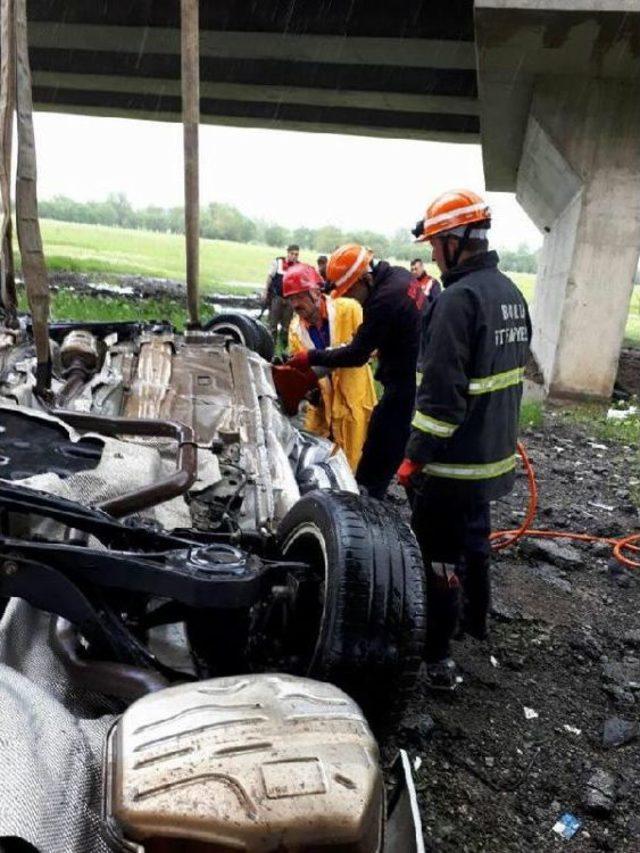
407	471
300	361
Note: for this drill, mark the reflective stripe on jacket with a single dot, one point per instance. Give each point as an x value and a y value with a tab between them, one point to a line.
470	374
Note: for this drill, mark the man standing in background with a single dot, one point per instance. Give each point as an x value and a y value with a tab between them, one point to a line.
279	309
429	286
322	267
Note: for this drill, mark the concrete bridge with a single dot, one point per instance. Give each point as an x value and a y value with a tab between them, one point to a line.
550	88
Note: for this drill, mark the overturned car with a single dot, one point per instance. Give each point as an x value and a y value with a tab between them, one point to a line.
163	523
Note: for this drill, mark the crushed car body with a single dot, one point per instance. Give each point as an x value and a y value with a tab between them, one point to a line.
172	539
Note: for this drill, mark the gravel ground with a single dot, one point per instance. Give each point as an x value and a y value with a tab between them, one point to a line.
546	721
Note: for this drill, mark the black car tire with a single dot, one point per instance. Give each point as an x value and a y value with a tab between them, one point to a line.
266	344
239	328
371	635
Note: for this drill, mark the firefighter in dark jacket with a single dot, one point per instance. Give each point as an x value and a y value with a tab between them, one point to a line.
392	304
462	451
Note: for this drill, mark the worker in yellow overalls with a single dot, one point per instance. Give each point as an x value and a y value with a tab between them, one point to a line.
347	395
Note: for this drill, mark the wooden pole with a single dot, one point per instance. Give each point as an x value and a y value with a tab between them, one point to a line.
190	32
34	269
7	108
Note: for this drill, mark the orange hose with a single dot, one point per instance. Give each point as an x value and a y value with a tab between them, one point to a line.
504	538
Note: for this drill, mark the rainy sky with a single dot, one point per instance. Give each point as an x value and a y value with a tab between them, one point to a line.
290	178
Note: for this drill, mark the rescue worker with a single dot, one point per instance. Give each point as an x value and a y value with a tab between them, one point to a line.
461	453
279	309
430	286
392	306
347	395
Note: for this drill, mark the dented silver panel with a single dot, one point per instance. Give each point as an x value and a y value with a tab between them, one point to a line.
256	763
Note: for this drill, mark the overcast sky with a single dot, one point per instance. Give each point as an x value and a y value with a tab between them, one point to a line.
287	177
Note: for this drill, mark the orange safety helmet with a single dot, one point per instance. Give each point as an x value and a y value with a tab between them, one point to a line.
452	210
301	278
346	265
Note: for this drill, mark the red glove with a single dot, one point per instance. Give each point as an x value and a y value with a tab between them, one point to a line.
407	471
300	361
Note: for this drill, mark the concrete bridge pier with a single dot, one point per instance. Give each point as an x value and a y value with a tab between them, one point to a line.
559	84
579	181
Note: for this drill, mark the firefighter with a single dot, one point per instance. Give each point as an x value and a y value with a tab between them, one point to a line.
429	285
461	453
278	307
392	305
347	395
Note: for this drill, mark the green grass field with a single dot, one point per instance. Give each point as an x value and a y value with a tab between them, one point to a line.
98	249
80	308
224	266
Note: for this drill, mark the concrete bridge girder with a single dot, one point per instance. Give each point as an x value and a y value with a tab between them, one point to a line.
407	72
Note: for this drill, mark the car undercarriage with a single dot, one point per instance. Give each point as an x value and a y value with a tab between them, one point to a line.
165	524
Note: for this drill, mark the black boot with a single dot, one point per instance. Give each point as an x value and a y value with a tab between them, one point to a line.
476	596
443	610
443	675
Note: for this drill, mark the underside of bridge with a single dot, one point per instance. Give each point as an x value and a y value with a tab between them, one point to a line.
402	69
550	88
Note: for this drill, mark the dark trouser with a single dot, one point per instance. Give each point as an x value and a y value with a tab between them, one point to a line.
386	440
280	314
453	535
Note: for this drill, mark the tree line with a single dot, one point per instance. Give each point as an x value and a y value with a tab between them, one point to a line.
225	222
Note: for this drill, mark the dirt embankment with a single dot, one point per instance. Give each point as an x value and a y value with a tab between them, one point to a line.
140	287
546	721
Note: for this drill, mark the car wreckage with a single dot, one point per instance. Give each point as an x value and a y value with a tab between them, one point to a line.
197	605
202	621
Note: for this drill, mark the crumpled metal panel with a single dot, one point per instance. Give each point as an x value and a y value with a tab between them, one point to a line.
226	394
256	763
147	397
189	383
223	393
123	466
52	739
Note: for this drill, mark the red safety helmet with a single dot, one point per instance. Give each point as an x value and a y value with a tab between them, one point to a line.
301	278
346	265
450	211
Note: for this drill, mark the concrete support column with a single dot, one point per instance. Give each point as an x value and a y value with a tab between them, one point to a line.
579	180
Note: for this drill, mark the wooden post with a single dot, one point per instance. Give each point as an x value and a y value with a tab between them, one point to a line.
190	32
7	108
34	269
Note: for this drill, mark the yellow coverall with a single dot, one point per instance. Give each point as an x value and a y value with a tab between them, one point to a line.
348	394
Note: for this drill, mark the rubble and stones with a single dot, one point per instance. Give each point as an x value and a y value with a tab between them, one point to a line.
600	793
570	655
549	551
618	731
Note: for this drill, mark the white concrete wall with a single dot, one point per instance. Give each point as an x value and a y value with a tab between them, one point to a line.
579	179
